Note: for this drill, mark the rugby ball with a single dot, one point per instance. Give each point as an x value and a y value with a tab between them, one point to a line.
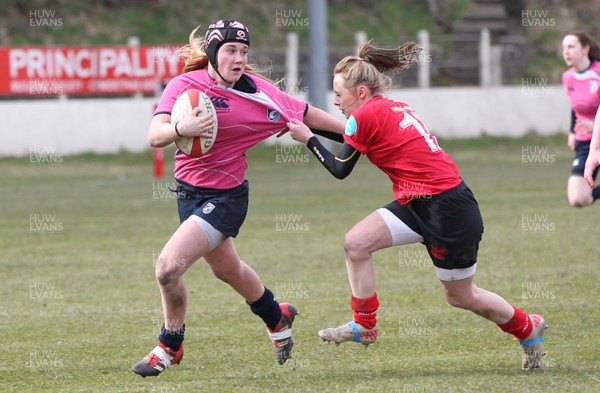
186	102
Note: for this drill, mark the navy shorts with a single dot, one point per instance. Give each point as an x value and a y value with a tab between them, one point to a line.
582	150
450	224
225	210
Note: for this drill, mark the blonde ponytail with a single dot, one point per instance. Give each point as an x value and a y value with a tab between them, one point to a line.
371	62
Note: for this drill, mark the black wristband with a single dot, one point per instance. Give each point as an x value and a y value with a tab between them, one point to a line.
177	131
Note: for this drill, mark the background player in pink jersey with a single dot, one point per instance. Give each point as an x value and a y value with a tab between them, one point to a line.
212	190
581	82
432	205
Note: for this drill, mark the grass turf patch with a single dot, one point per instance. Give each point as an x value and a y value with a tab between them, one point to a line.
80	304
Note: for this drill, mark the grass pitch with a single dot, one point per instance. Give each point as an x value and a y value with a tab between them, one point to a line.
79	237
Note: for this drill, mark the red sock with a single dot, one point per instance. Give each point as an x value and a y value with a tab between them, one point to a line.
365	310
519	326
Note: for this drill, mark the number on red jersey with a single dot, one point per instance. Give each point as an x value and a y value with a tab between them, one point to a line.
411	119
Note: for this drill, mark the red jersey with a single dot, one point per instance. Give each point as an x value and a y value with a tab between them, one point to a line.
393	138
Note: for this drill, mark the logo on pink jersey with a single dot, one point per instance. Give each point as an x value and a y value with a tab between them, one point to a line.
273	115
220	103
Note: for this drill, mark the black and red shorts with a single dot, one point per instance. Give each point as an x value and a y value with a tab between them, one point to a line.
450	224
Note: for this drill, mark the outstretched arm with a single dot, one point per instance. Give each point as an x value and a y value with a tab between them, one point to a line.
334	136
339	166
322	123
320	120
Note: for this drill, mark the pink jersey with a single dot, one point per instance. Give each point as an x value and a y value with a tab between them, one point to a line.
582	89
245	119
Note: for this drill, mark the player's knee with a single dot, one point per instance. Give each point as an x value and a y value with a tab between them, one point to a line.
222	274
579	202
166	270
225	273
457	300
354	244
580	199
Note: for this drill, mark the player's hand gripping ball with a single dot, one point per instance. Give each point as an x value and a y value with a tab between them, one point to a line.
194	146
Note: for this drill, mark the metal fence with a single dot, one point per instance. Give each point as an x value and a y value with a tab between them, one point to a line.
446	60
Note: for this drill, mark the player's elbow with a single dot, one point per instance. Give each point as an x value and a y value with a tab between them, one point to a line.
340	175
341	172
153	141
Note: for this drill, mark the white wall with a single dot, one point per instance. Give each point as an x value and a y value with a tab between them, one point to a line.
74	126
498	111
71	126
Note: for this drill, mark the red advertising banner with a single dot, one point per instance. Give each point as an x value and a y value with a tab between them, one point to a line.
52	71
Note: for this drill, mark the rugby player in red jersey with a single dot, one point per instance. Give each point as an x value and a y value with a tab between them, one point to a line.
432	205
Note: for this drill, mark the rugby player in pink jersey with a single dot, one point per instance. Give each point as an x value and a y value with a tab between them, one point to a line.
212	192
432	204
582	84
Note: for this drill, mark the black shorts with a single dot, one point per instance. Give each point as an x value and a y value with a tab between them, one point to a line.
450	224
582	150
225	210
